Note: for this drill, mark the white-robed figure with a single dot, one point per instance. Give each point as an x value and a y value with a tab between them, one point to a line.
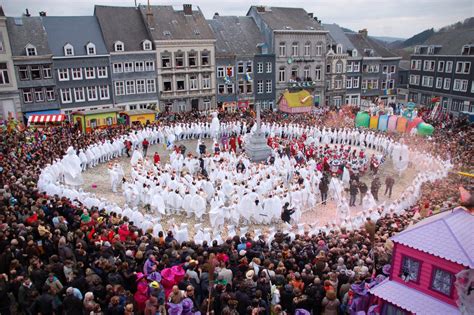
116	175
343	210
198	206
346	176
136	157
215	126
335	188
400	157
71	168
83	158
368	202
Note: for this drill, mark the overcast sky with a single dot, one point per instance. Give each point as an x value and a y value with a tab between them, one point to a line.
398	18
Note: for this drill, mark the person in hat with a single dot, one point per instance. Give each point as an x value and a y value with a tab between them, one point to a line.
141	295
374	188
361	298
324	188
286	213
224	273
353	190
330	303
389	183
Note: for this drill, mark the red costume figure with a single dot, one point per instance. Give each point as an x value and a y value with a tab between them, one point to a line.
156	158
239	141
233	144
270	141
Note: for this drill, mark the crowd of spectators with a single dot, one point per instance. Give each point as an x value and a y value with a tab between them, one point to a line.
57	258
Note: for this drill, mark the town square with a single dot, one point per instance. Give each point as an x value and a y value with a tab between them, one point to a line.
214	158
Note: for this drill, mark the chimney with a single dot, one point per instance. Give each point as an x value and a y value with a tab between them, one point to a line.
310	15
188	9
261	8
42	13
149	14
27	13
363	32
216	14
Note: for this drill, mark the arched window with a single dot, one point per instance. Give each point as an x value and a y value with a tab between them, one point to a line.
68	50
119	46
282	74
339	67
319	49
306	73
30	50
294	49
307	49
90	48
147	44
282	49
294	73
339	49
354	52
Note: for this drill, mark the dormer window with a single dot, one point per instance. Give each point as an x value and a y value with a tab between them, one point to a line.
30	50
354	52
119	46
431	50
339	49
90	49
146	45
68	50
417	49
467	50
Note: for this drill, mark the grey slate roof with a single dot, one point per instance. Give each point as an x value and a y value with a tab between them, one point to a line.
29	31
452	41
362	42
76	30
123	24
278	18
338	36
175	23
237	35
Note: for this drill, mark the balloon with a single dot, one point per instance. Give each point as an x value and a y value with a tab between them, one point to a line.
425	129
414	123
374	121
402	124
383	122
362	119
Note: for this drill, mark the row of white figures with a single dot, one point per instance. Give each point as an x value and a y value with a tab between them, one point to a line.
53	175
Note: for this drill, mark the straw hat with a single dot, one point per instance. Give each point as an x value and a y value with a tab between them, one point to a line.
249	274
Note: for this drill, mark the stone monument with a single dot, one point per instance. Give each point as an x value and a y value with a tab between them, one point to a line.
256	147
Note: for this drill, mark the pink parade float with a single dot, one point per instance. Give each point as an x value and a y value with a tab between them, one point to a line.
406	123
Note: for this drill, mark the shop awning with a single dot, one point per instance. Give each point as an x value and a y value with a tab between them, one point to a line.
34	119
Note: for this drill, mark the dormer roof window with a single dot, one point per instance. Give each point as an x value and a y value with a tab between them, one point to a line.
119	46
31	50
339	49
68	50
90	48
354	52
146	45
467	49
431	50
